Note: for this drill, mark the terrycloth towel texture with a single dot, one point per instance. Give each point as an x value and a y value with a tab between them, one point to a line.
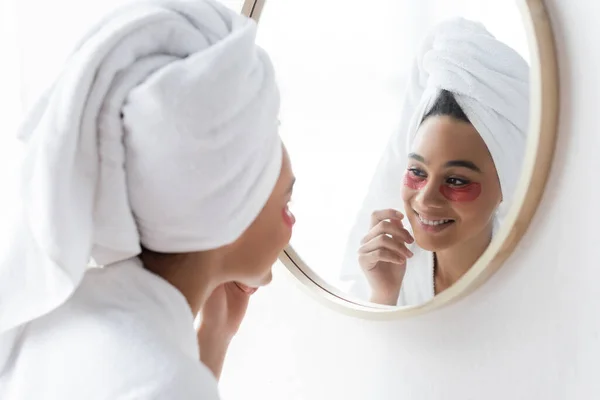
161	131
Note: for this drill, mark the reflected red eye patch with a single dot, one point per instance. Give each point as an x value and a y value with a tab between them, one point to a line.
467	192
413	182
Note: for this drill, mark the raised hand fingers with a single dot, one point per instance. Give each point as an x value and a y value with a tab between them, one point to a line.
370	260
388	214
387	243
394	229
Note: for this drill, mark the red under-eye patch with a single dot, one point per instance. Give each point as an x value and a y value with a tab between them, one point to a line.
467	192
414	182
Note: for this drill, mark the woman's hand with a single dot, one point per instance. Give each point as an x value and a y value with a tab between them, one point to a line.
222	315
225	309
382	255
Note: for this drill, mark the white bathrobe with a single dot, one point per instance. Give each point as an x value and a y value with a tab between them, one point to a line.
124	334
161	131
490	82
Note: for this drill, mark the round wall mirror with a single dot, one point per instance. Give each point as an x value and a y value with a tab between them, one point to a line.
421	134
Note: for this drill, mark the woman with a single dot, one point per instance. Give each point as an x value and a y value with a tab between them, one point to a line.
466	119
156	154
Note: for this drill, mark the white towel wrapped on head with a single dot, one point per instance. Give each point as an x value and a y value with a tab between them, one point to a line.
490	82
160	131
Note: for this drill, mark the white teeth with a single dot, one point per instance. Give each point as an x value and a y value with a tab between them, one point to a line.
433	223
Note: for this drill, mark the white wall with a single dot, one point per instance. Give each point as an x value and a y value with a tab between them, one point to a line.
531	332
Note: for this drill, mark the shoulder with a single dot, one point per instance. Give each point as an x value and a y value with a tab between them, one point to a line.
121	335
116	360
187	381
119	313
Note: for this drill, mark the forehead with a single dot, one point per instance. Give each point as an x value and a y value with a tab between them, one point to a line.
441	139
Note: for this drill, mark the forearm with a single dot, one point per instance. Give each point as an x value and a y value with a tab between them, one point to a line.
213	350
389	299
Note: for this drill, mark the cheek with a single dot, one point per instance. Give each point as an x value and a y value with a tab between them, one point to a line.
413	182
465	193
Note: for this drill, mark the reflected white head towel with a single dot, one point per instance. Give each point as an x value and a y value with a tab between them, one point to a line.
160	131
490	82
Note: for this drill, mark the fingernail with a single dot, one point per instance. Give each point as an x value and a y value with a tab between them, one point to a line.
410	253
399	214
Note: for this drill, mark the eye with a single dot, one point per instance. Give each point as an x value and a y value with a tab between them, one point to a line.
417	173
457	182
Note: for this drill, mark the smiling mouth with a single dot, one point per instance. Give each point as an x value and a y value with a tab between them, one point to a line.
434	223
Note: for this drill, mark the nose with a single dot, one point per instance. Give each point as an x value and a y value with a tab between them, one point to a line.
430	197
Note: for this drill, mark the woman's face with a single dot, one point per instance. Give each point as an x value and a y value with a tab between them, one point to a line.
252	256
451	188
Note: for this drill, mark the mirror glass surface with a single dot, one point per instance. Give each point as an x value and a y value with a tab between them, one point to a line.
406	122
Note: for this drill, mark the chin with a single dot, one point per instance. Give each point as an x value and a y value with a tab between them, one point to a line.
261	280
431	243
267	278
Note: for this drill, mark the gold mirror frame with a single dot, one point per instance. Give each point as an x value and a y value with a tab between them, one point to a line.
538	160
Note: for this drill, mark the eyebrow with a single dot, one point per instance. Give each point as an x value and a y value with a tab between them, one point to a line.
454	163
